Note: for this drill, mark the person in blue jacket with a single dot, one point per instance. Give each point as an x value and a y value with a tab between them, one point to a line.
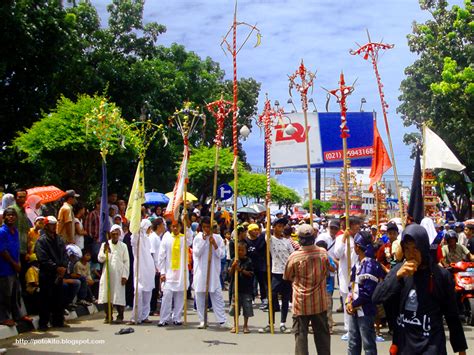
364	279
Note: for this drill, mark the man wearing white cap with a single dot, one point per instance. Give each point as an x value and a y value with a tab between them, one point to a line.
119	269
51	253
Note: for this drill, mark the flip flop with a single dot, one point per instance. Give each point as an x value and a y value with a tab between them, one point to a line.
125	331
246	331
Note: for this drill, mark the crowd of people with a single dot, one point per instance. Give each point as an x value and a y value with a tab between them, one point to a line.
52	262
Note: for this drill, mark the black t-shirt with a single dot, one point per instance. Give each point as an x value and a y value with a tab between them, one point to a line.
256	250
470	245
245	282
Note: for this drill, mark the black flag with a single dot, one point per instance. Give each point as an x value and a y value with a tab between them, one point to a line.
416	209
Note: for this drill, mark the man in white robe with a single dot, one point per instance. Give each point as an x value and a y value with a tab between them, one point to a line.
200	261
144	269
119	269
173	270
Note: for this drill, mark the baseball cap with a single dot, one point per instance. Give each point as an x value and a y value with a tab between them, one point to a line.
71	193
39	218
392	226
252	227
305	231
334	223
373	226
50	220
383	228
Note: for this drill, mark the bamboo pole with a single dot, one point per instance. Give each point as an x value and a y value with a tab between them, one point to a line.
377	207
109	298
308	166
136	277
346	199
269	271
209	258
185	265
235	140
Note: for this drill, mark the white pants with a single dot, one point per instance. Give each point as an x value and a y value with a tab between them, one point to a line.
143	310
346	315
169	298
217	305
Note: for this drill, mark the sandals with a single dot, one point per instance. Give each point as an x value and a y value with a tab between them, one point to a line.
246	330
125	331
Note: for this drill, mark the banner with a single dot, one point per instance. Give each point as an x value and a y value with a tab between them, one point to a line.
325	140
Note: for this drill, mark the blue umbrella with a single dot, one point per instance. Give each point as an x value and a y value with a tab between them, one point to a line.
156	198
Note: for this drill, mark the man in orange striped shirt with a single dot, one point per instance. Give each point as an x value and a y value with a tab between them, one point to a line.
307	268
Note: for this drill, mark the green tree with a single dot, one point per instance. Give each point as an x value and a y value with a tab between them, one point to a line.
53	50
285	197
439	87
201	169
323	206
66	150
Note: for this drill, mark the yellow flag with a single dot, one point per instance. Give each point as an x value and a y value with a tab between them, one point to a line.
136	199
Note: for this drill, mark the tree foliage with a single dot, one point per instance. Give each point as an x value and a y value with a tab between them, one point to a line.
285	196
322	206
439	85
66	150
51	51
201	169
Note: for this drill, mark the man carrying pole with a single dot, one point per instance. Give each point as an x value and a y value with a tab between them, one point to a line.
206	277
219	109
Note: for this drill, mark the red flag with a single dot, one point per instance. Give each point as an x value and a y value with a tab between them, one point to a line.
380	159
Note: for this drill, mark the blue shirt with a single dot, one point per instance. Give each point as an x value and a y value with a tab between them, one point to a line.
11	243
330	279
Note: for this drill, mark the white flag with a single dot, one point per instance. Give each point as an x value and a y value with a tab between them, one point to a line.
438	155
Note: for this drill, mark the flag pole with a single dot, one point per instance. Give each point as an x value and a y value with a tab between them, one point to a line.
135	316
423	137
377	217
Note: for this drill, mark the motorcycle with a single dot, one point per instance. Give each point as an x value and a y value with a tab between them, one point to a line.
463	272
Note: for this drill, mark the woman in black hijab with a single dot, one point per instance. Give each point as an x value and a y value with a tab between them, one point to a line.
425	293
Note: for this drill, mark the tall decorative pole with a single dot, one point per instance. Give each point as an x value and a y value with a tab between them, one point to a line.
142	134
341	94
307	79
270	118
371	50
106	123
186	120
219	109
234	51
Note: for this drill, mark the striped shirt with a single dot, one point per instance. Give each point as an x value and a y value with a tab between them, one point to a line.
307	269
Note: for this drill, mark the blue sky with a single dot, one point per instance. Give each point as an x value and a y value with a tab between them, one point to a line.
319	31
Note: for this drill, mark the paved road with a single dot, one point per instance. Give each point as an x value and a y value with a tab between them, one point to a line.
173	340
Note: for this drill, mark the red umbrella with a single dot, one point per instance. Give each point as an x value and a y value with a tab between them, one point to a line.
47	193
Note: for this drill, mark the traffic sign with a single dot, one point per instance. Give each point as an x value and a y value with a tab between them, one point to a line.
224	192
